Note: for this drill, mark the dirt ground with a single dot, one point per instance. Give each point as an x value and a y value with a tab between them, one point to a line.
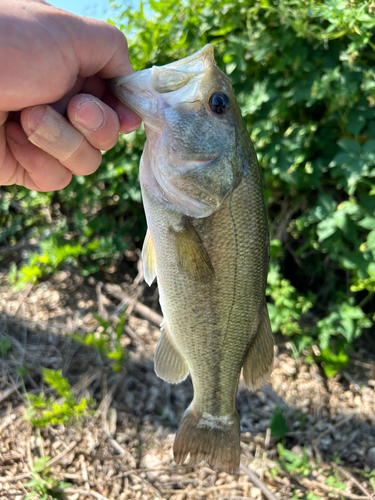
124	449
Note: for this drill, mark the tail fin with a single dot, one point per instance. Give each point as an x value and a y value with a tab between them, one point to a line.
205	437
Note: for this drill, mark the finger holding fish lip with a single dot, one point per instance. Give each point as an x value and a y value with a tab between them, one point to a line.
45	149
77	148
48	150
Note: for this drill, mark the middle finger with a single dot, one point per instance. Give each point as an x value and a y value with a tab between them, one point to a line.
52	133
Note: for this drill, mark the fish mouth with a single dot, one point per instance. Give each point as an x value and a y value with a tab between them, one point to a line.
150	91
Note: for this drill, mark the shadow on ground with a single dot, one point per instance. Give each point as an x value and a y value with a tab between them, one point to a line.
123	450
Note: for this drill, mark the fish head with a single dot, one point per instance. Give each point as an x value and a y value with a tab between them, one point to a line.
194	130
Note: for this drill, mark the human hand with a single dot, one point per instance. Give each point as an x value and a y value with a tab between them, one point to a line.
51	56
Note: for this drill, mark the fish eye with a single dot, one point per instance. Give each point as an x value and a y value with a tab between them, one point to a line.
219	103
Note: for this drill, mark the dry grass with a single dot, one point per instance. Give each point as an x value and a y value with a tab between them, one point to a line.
123	451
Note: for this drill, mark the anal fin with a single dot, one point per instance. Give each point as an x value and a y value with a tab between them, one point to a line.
259	359
149	259
169	364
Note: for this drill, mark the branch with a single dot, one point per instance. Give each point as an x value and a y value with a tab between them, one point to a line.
259	483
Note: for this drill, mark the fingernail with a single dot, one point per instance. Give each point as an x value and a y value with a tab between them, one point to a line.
17	135
35	117
90	115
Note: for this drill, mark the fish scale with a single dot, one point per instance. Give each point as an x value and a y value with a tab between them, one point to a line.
207	246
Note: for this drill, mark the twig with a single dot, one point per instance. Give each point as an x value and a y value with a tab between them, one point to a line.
43	325
60	456
24	295
144	311
102	458
135	471
18	246
101	309
260	484
338	424
268	391
84	473
221	486
116	446
147	313
86	380
350	476
351	380
134	336
11	479
122	451
369	366
73	491
138	292
6	394
310	483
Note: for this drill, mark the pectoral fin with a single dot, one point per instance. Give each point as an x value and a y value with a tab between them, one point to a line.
149	259
169	364
193	258
258	363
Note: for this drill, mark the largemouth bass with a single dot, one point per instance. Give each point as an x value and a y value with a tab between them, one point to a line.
207	244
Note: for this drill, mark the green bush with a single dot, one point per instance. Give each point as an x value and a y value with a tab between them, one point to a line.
303	72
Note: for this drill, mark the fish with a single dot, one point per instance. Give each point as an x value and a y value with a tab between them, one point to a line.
207	245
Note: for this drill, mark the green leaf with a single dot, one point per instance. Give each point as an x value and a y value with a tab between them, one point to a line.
40	463
278	425
367	223
371	239
369	146
55	379
326	228
351	147
5	346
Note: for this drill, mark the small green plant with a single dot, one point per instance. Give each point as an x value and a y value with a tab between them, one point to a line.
22	370
334	480
371	478
291	462
43	484
107	340
51	257
42	412
278	426
4	346
308	496
311	496
333	358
